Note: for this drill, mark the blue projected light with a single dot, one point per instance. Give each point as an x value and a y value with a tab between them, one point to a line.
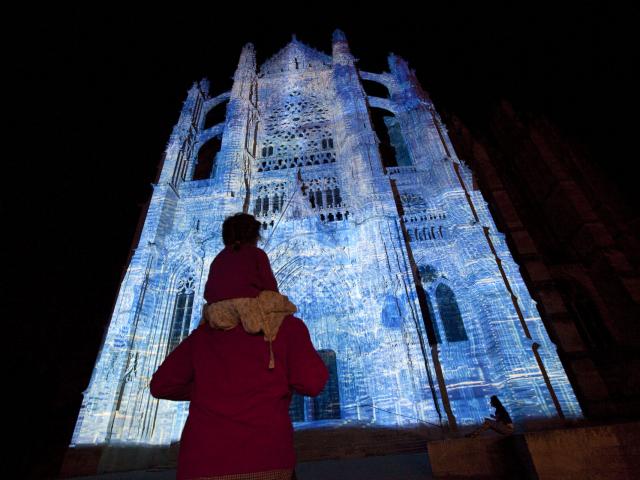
299	151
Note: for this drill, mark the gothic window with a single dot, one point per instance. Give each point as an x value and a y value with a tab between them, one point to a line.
374	88
255	139
327	143
327	404
336	196
179	170
299	126
206	164
196	112
215	116
427	275
181	312
265	205
397	141
387	153
258	210
393	147
312	200
450	314
329	195
390	315
318	194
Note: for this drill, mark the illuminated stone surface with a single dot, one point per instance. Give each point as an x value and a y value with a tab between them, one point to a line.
299	151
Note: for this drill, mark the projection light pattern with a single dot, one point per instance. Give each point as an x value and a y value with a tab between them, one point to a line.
370	252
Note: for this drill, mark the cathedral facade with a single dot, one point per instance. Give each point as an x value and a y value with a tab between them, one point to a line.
408	289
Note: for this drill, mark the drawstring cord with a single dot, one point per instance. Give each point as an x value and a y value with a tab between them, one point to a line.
271	359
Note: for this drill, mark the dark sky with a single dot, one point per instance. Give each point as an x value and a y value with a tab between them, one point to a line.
100	90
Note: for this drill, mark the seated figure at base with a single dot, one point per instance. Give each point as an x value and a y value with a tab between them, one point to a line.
500	422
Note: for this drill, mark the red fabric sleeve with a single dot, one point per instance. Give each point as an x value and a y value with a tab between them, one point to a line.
307	372
266	278
174	378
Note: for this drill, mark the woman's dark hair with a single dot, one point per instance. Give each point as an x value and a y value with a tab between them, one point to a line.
240	228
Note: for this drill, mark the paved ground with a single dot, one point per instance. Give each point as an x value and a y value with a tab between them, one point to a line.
413	466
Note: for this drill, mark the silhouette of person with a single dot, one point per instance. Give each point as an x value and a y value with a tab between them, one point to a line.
499	422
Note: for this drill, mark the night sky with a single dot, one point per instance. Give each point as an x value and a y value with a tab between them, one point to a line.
99	91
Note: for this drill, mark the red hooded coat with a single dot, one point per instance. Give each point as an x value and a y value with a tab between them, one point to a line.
239	412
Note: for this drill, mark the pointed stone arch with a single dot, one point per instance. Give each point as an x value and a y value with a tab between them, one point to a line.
450	315
187	263
374	88
391	315
183	308
392	144
215	105
206	159
383	79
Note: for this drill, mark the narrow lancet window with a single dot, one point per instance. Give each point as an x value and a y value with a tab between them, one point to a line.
450	314
181	319
336	196
329	195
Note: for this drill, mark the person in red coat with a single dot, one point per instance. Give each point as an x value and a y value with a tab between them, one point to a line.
238	425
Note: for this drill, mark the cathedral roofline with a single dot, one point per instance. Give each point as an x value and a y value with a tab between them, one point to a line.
291	49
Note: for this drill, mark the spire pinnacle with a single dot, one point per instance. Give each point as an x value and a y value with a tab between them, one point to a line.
339	36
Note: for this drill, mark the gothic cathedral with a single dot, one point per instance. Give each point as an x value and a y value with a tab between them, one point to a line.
409	291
